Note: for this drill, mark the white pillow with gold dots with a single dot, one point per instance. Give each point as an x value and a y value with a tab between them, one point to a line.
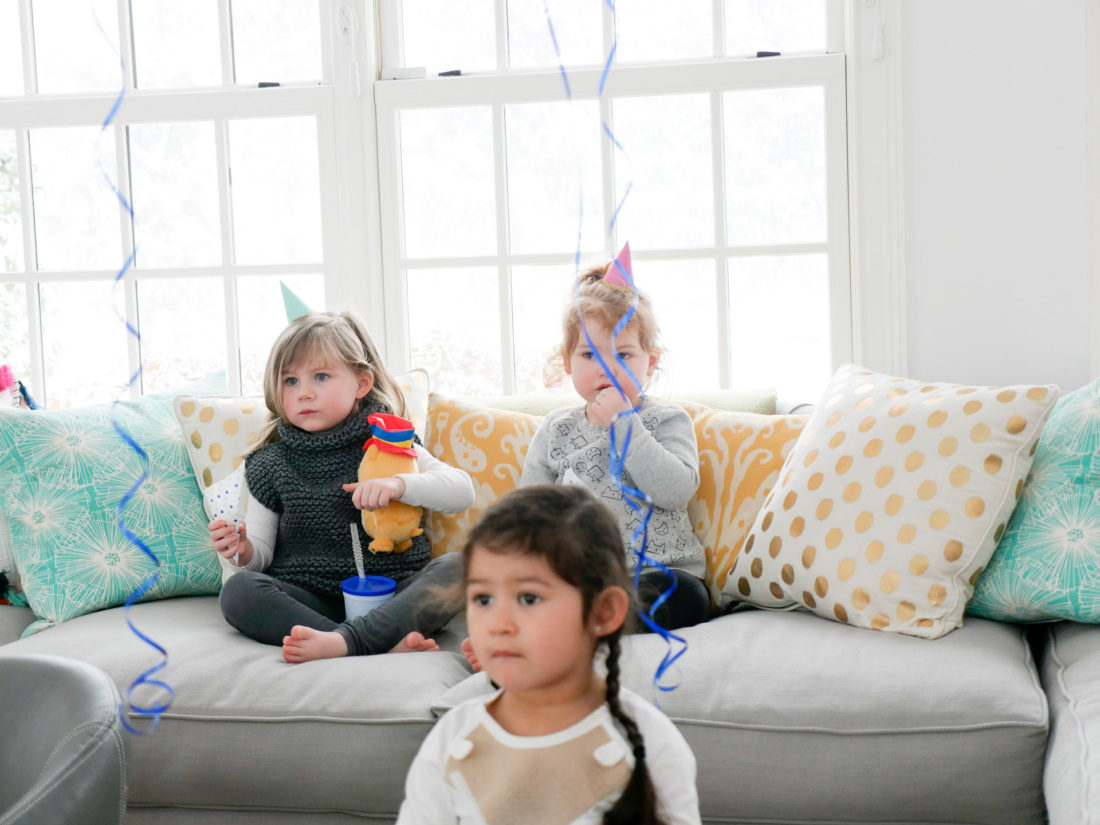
892	501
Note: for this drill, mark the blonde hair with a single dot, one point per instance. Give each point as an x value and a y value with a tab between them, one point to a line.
608	304
340	336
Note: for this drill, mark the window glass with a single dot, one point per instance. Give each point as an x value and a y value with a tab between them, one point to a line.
263	317
76	46
646	31
578	29
173	172
447	177
11	224
76	212
553	162
775	166
15	348
276	41
84	343
276	190
176	43
682	294
775	26
665	163
182	333
779	324
540	295
454	327
443	35
11	51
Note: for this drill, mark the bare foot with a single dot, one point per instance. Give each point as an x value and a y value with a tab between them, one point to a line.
304	644
471	657
415	643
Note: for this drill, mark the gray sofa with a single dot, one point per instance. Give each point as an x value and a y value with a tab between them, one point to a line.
793	719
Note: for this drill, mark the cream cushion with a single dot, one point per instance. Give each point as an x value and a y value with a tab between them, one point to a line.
893	500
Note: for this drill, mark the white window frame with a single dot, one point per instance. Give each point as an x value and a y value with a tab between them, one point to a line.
715	77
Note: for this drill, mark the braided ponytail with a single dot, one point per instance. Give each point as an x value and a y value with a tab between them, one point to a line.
638	803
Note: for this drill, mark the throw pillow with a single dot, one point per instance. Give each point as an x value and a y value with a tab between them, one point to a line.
62	474
740	456
892	501
487	443
1047	564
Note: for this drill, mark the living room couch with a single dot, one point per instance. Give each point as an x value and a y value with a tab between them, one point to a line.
793	718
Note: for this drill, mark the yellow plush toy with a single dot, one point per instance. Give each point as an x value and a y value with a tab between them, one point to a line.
388	452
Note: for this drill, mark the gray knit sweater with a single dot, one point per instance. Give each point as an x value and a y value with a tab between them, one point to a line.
300	478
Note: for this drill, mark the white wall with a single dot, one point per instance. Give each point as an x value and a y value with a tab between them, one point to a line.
1000	258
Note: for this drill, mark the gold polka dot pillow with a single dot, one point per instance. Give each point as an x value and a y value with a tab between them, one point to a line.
740	456
893	500
487	443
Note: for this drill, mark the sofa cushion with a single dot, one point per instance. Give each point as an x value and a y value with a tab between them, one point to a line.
1071	672
248	732
793	719
1047	565
62	476
893	500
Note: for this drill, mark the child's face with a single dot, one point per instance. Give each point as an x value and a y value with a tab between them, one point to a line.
319	392
589	378
526	624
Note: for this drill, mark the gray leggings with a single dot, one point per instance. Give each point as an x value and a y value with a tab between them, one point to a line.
265	609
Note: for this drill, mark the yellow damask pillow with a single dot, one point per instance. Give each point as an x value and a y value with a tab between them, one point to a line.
740	456
488	444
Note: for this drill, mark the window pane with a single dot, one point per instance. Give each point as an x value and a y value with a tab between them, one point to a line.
683	293
176	203
276	190
84	343
71	53
276	41
444	34
666	162
447	172
76	213
779	324
646	31
11	51
775	166
454	329
263	317
553	160
578	28
775	26
11	224
15	347
540	295
182	332
176	43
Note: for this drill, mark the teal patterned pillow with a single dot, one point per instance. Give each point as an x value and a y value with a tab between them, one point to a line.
62	474
1047	564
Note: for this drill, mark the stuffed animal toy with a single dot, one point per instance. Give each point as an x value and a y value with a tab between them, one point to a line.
388	452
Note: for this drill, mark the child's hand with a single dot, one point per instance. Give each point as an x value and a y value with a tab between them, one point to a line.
471	657
607	404
231	541
375	493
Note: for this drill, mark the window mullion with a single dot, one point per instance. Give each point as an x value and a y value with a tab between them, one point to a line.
504	281
721	278
225	41
26	34
228	255
502	34
120	134
395	290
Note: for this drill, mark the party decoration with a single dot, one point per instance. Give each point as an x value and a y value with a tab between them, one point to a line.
295	306
388	452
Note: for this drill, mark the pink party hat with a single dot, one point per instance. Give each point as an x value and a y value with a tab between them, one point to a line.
619	272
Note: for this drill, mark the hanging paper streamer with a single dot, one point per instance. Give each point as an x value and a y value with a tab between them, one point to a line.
144	681
637	500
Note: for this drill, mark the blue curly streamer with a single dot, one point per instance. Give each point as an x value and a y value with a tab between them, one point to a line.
637	500
155	710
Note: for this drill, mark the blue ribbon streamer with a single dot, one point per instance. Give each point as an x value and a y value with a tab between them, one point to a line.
155	710
637	500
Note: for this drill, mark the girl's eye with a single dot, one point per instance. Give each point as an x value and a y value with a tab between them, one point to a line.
529	599
480	599
321	377
291	381
588	355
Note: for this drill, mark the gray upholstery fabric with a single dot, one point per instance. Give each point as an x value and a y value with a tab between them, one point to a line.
1071	675
13	621
64	761
335	736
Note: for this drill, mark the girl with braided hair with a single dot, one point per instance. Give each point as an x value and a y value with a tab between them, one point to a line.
546	587
323	379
